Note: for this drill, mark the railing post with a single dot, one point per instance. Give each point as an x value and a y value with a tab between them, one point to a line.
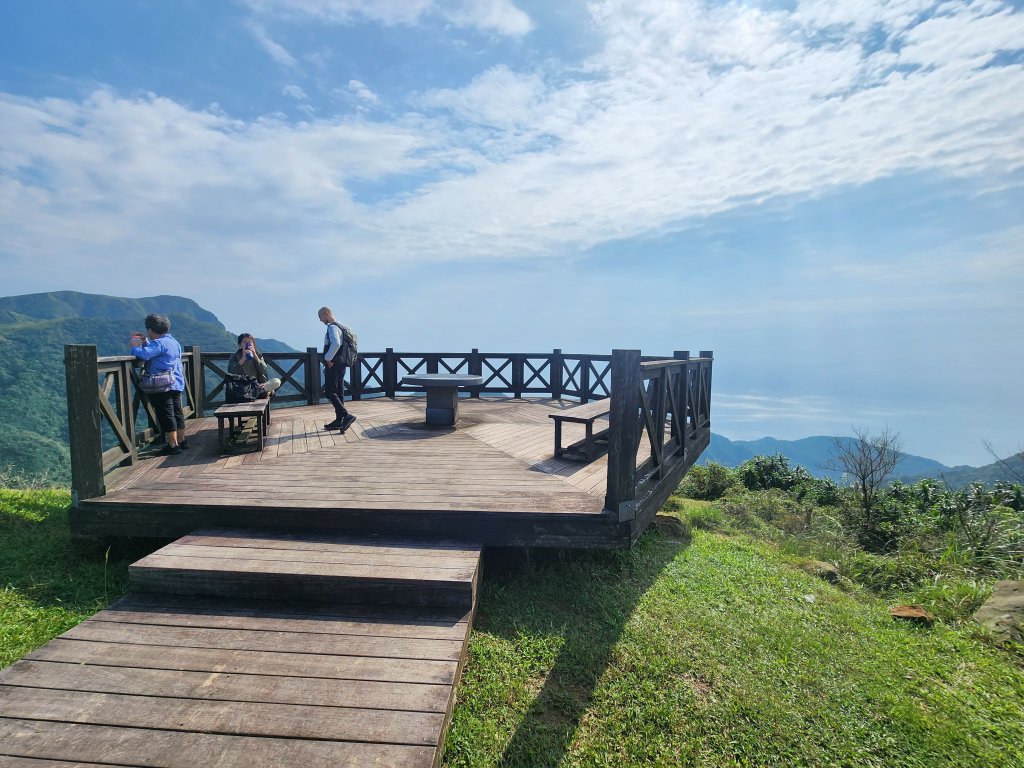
680	398
312	376
476	368
555	374
623	433
81	374
127	410
585	363
355	379
706	384
198	382
390	372
518	365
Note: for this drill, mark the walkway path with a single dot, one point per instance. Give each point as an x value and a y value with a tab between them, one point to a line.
353	663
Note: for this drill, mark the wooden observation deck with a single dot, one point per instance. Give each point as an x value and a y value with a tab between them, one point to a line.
492	479
316	608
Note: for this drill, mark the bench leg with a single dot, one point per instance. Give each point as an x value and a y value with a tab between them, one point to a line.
588	444
558	438
220	433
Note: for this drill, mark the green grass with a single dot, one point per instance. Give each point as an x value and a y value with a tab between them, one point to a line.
709	653
49	582
697	651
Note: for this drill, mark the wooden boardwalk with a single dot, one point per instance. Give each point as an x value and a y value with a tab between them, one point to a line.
492	480
193	669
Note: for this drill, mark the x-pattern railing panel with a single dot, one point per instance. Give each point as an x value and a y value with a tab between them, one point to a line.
537	369
495	371
599	377
453	365
410	368
374	377
572	375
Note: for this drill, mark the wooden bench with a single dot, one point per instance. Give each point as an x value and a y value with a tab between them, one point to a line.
235	413
587	448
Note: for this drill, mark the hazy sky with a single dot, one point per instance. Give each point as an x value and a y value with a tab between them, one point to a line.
828	194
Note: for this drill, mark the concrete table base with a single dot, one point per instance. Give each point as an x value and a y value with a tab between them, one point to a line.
442	406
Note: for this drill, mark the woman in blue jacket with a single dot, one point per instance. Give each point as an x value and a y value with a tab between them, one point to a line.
162	352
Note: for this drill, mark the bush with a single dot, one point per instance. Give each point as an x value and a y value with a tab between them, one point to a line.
707	482
763	473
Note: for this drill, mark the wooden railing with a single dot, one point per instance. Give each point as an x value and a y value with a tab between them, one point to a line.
665	402
661	410
578	376
104	407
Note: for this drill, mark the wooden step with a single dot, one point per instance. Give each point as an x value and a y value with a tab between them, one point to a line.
325	569
182	681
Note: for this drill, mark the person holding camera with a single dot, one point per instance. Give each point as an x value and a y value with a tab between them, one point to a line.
162	353
248	361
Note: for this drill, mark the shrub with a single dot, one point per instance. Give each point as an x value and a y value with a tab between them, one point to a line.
763	473
707	482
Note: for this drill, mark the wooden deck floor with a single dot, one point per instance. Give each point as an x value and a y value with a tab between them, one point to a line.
173	679
492	479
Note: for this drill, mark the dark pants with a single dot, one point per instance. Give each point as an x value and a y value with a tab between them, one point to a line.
334	389
168	410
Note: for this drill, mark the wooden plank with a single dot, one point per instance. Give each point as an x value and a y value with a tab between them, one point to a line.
225	717
250	687
268	640
177	749
222	661
357	620
365	556
249	539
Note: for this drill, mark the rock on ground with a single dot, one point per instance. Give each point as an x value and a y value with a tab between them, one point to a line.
1003	613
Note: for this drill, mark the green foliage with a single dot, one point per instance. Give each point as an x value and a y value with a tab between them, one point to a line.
932	544
49	582
709	654
707	481
763	473
33	332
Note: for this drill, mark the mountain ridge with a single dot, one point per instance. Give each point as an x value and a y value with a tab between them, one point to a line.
33	331
813	452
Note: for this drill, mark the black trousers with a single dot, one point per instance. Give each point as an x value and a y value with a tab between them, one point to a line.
334	389
168	410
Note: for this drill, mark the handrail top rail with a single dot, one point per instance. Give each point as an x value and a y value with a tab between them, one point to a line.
668	362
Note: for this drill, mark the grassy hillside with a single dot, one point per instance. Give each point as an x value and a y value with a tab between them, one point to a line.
49	583
33	332
693	648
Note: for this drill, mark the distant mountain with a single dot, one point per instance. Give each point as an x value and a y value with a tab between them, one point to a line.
813	453
33	331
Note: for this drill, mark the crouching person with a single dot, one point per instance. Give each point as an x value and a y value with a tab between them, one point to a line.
248	361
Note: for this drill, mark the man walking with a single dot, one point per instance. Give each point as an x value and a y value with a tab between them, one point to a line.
337	349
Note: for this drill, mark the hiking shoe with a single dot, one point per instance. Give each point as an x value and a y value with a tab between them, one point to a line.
336	424
183	444
171	450
346	423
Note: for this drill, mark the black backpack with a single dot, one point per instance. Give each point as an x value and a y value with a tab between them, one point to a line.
241	389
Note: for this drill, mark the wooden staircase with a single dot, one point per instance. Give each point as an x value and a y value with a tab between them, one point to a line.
251	649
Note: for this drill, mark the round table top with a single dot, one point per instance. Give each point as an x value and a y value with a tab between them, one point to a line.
448	380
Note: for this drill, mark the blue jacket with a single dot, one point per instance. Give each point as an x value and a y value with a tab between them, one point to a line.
163	354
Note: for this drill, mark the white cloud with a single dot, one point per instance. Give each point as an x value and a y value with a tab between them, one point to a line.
277	51
688	110
294	92
362	92
498	16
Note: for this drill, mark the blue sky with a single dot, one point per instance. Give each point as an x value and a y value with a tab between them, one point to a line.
829	195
